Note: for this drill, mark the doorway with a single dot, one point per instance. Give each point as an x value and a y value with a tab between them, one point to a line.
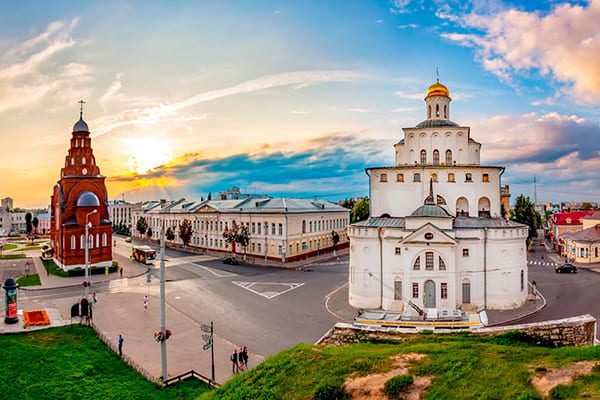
429	294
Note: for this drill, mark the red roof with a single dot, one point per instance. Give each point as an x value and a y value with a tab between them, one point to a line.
574	217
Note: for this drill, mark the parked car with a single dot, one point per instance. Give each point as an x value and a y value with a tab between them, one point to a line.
128	240
542	243
566	268
230	261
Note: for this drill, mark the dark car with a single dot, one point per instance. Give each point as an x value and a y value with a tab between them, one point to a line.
566	268
230	261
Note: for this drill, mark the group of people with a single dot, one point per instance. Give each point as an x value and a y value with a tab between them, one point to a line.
239	360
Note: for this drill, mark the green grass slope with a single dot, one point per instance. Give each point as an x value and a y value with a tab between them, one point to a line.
461	367
73	363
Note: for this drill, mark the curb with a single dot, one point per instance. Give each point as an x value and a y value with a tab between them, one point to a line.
510	321
34	289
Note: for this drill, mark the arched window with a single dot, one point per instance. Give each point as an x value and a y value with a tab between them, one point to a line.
437	110
97	240
417	177
436	157
383	178
462	207
486	178
417	264
90	241
429	112
400	178
522	280
445	111
73	242
441	264
423	156
82	242
483	206
72	161
83	160
451	177
448	157
429	261
303	226
104	238
468	177
434	177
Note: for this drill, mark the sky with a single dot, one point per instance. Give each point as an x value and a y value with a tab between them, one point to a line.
292	98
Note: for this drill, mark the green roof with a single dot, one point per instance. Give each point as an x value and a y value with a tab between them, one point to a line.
430	211
434	123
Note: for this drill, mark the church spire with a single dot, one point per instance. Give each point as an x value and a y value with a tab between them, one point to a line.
430	200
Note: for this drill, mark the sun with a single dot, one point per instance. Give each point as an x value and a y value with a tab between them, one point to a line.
147	154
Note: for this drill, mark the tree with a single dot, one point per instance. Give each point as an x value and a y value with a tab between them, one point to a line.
524	212
230	235
585	206
141	225
186	231
349	204
243	238
149	232
35	222
28	223
360	211
170	235
209	196
335	238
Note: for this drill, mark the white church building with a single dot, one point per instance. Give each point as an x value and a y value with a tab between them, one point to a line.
436	236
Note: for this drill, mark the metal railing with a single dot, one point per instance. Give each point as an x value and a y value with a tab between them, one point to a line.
190	374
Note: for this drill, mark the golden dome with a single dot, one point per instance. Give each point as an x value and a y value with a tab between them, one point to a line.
437	89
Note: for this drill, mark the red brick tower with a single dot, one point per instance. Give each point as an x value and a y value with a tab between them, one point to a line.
78	193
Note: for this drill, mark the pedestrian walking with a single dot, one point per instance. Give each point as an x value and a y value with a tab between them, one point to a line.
95	298
145	303
121	345
235	368
121	271
534	288
245	358
543	262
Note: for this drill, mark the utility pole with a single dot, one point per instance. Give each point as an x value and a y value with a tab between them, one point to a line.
163	328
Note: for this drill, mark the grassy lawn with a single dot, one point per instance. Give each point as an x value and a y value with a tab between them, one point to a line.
9	246
73	363
461	367
29	248
12	256
31	280
54	269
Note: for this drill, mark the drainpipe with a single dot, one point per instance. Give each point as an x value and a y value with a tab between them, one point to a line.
485	233
370	201
380	267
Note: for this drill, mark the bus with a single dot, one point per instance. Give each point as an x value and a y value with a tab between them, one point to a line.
143	254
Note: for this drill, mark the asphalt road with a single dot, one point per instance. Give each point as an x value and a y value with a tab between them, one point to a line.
567	294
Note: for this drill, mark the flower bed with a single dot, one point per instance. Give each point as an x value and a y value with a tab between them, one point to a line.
36	317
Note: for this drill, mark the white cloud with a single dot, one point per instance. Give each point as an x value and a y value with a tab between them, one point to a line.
408	26
379	21
413	96
114	87
404	109
359	110
563	43
161	112
400	6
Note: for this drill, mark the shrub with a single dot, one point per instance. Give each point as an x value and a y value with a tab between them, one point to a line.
328	390
563	392
530	394
395	386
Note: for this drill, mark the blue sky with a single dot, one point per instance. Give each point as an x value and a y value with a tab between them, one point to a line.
293	98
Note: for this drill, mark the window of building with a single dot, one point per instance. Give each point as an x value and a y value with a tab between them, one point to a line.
415	293
417	177
73	242
423	156
280	249
434	177
258	228
465	252
253	227
83	160
397	290
90	241
303	226
400	178
429	261
522	280
398	251
468	177
280	229
417	264
595	252
451	177
104	239
486	177
258	247
253	246
97	240
297	247
436	157
383	178
273	229
310	226
444	290
448	157
290	250
442	264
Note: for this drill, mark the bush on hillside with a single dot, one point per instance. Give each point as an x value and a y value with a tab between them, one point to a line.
563	392
328	390
397	385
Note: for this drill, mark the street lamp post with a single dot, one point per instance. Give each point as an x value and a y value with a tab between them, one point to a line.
87	244
163	323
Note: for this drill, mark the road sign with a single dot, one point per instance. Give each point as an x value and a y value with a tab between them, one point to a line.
206	328
207	338
207	346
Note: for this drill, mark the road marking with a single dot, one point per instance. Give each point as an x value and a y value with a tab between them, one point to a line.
171	262
551	264
269	294
325	264
219	274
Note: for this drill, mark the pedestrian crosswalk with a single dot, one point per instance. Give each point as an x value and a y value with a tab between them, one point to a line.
550	264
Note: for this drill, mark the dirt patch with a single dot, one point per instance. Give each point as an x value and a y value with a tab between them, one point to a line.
371	386
545	381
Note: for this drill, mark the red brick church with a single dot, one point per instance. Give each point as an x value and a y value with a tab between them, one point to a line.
80	194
